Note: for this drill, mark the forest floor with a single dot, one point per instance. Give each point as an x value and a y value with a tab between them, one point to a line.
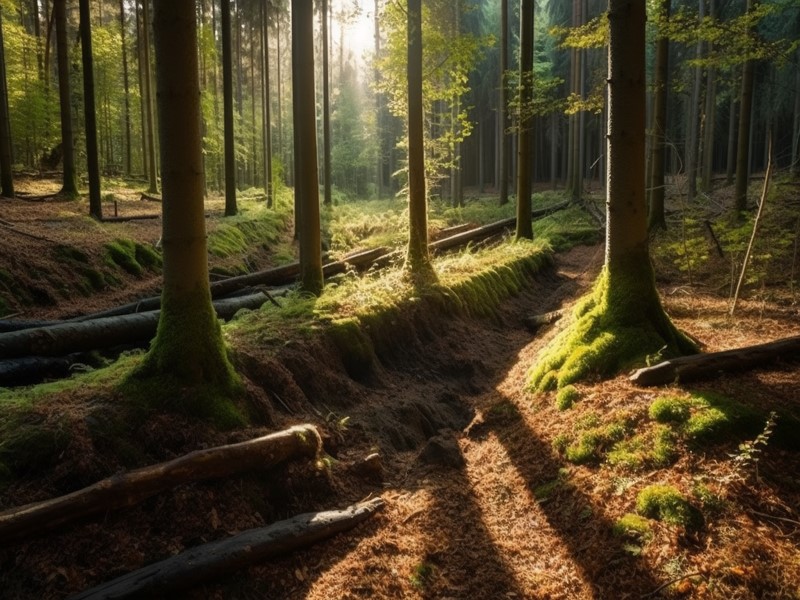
481	500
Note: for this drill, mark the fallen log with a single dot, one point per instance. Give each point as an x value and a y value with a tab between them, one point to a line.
535	322
222	557
130	488
33	369
123	219
702	366
150	198
105	332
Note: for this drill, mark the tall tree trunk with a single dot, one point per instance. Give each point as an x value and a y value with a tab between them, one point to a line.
418	262
126	89
142	103
732	122
70	185
306	179
326	106
504	147
266	105
187	322
90	115
795	170
745	121
227	100
379	105
152	170
656	219
526	120
694	119
6	160
710	117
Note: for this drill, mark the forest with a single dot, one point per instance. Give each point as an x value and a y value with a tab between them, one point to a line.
399	299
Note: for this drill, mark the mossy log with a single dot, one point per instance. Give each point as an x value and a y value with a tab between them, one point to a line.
214	559
127	489
703	366
69	337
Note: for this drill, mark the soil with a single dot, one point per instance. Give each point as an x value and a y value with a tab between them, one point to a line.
479	504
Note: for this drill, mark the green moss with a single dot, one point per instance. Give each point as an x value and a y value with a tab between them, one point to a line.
654	448
29	444
633	526
666	503
617	325
566	397
187	369
64	252
122	253
567	228
715	418
227	240
503	413
354	346
147	256
594	442
670	409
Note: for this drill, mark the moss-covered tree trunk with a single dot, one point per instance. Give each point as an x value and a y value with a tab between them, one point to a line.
69	185
418	263
188	350
306	176
147	100
526	119
621	321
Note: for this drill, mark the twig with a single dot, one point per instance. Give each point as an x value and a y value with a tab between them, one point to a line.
784	519
669	583
26	234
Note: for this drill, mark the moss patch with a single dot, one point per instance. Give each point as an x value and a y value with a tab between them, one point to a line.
653	448
353	345
633	526
132	257
666	503
619	324
566	397
670	409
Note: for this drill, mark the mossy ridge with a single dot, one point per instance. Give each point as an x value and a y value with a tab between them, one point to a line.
619	324
255	225
132	257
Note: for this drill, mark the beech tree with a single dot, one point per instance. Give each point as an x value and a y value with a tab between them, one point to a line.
188	352
90	114
69	187
621	320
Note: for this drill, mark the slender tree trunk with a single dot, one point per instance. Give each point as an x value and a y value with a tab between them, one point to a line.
656	218
379	107
227	100
694	118
279	112
504	147
795	169
152	171
142	107
745	121
526	120
709	120
6	160
326	106
418	262
70	185
188	327
306	180
731	155
266	105
90	116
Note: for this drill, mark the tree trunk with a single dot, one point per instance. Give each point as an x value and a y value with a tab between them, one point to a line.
504	147
694	118
710	117
126	88
90	115
306	180
70	185
731	154
215	559
745	120
147	99
187	316
6	160
326	106
227	101
418	262
656	219
266	104
526	120
795	169
128	489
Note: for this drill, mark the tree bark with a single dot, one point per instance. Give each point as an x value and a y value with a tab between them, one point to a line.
306	180
745	120
227	108
526	120
326	107
147	100
6	177
710	117
267	108
69	186
418	262
90	113
694	118
126	89
504	147
132	487
713	364
218	558
656	218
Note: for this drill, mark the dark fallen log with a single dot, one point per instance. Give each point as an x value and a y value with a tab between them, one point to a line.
215	559
105	332
448	231
127	489
118	219
150	198
33	369
536	322
702	366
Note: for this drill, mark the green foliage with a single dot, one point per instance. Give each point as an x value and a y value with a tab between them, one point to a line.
122	253
567	228
592	442
653	448
633	526
566	397
666	503
715	417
